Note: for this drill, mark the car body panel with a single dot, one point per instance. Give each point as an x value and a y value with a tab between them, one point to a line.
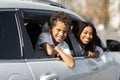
50	67
105	68
14	70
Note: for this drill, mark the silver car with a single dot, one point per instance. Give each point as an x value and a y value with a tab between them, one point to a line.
21	22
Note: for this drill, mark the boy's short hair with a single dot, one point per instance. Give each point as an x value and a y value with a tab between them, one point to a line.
60	16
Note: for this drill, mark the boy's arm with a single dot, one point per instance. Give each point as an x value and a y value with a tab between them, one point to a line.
53	50
67	58
49	49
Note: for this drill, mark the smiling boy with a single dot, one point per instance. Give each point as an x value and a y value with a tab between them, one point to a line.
53	42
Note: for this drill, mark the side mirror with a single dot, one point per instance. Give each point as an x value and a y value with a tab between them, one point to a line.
113	45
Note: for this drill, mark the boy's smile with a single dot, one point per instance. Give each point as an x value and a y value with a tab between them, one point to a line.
59	32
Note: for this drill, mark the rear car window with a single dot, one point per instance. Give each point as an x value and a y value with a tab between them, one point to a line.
9	39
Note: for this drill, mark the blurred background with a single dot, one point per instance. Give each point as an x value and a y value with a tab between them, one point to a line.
104	14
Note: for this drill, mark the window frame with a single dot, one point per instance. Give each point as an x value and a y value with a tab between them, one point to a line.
35	16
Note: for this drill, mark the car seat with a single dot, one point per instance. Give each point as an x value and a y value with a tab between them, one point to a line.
33	30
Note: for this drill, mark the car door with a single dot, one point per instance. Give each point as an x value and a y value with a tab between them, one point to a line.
12	64
50	69
102	68
46	68
106	65
107	69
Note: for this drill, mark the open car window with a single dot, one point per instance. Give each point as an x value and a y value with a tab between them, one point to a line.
35	22
77	48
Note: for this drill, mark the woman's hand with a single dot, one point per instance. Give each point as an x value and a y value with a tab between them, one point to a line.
90	54
93	54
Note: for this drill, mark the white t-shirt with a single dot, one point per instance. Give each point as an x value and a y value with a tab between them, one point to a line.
46	37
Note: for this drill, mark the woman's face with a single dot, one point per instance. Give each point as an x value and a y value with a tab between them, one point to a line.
86	35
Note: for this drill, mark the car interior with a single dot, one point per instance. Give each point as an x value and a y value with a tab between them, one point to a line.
33	30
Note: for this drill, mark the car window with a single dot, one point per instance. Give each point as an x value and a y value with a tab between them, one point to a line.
9	39
36	22
77	49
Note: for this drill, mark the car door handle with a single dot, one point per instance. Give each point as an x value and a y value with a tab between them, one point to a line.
49	77
92	65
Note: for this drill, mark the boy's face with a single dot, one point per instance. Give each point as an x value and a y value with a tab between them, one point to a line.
59	32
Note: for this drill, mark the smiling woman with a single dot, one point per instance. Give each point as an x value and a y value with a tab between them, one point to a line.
88	40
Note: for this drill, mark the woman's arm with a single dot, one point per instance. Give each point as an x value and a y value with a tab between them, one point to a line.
97	52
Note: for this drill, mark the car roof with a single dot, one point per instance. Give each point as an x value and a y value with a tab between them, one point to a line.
17	4
28	5
52	3
24	4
